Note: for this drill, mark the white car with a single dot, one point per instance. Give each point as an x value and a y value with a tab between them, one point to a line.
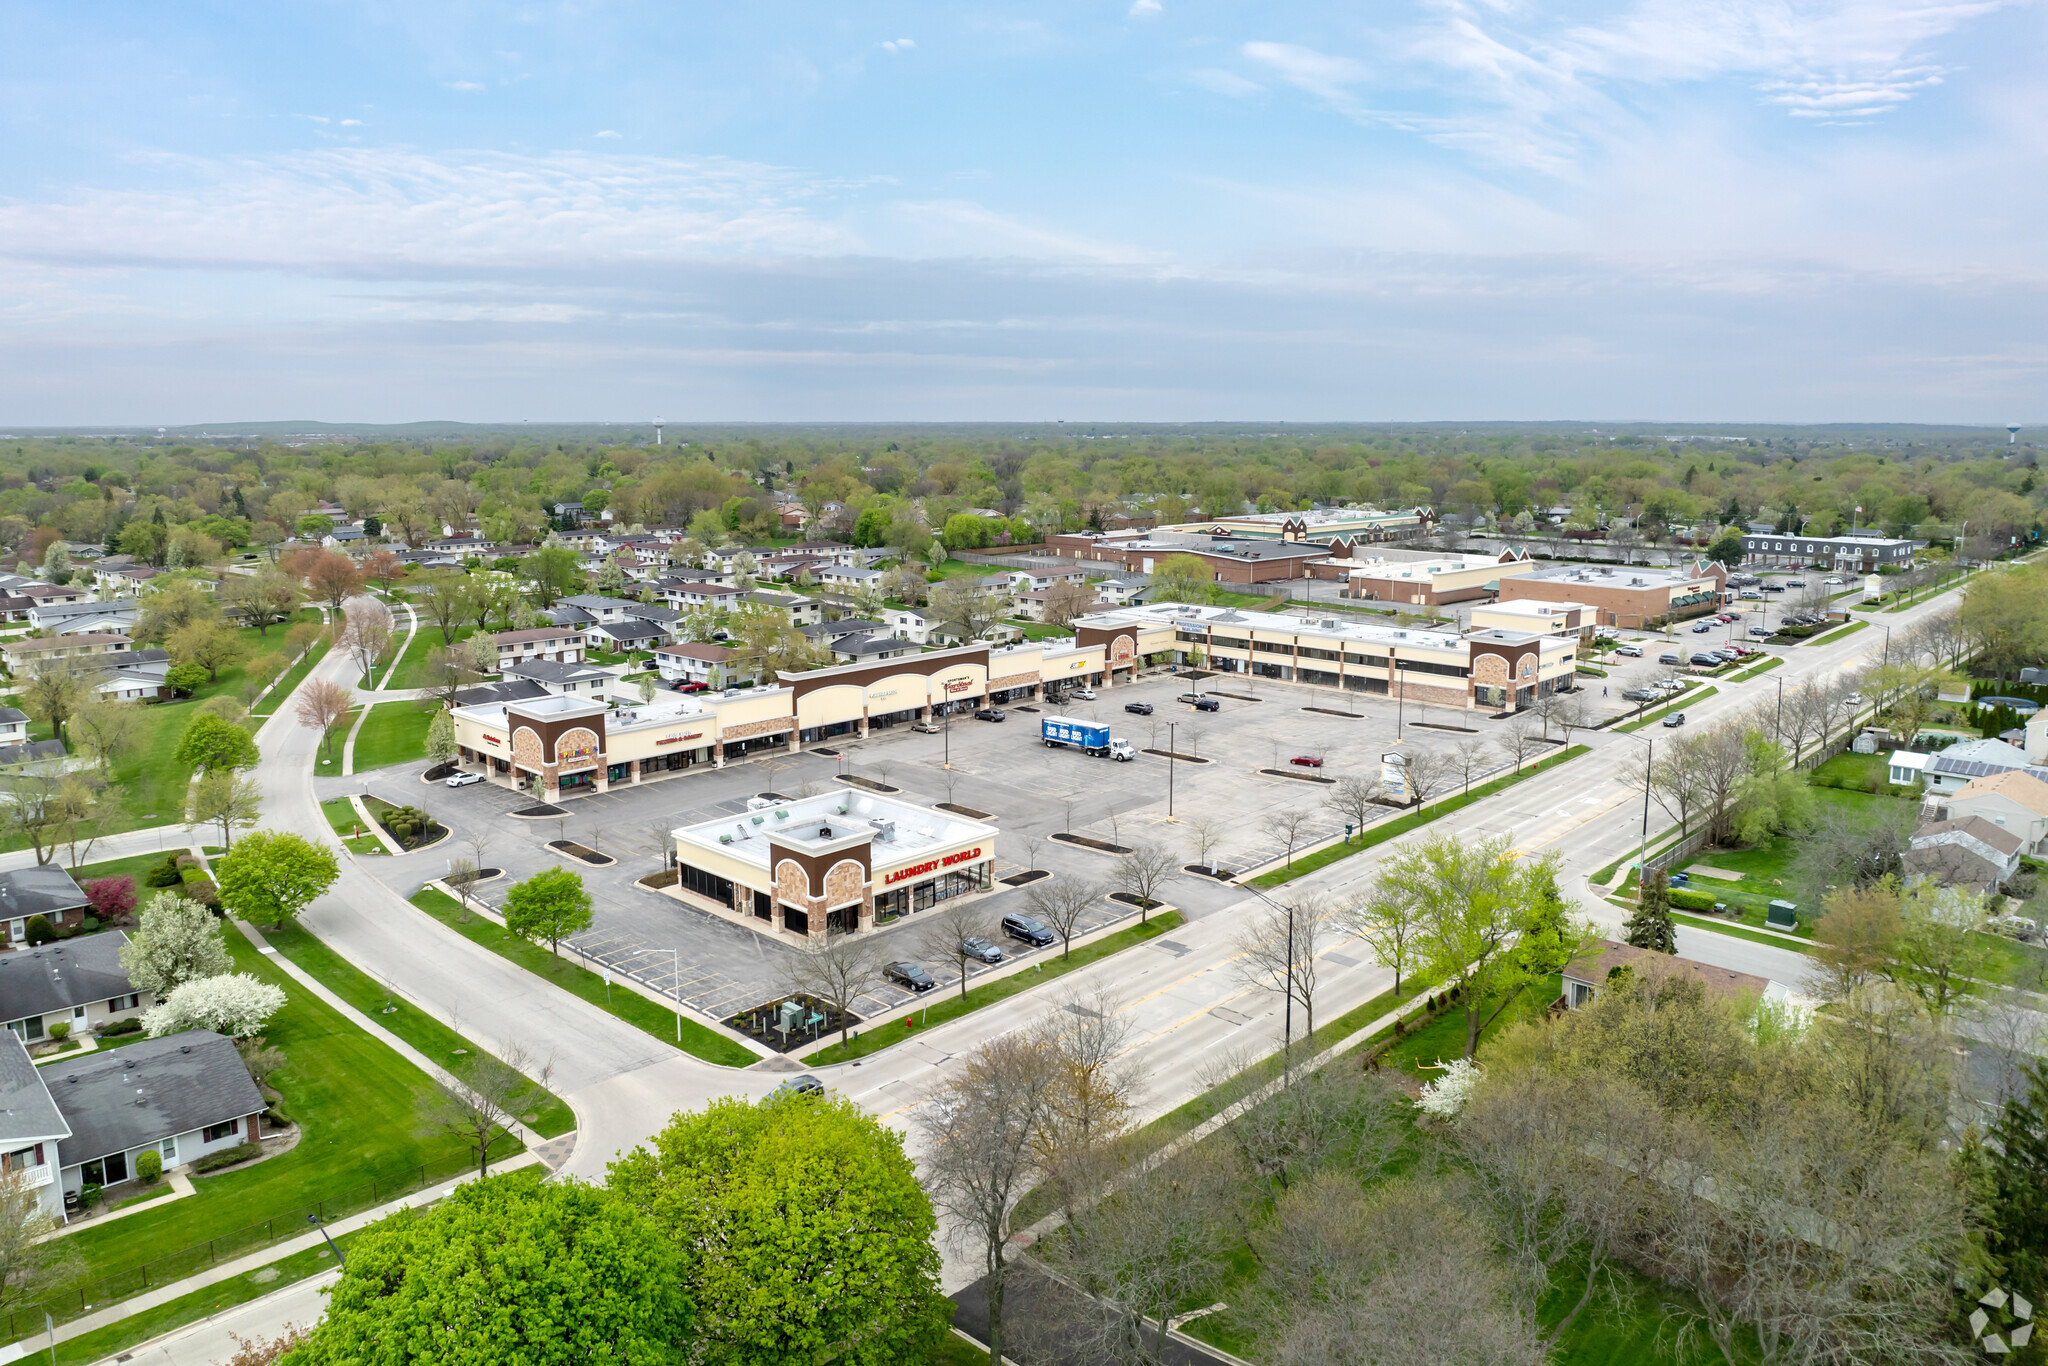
1082	695
1832	582
465	779
1632	651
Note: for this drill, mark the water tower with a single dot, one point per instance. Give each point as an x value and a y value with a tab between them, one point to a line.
657	431
2012	433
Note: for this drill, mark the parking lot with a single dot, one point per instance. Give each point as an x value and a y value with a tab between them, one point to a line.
1003	768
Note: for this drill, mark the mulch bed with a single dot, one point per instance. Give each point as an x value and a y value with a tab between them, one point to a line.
1439	725
1136	903
1023	709
1298	777
1025	878
480	875
582	853
966	811
1175	754
1104	845
869	783
828	753
1203	870
773	797
1235	696
1331	711
544	809
668	877
440	771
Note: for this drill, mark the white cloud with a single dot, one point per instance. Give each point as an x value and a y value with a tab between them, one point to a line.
899	45
465	87
609	133
1220	82
1330	78
351	123
1146	9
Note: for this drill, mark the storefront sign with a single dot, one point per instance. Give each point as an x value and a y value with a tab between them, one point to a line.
490	739
678	739
932	865
958	684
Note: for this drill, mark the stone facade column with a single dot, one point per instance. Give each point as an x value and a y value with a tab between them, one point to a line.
718	755
867	908
863	732
796	739
816	912
633	772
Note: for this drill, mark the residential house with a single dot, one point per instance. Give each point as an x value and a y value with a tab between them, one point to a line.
84	618
908	624
344	538
507	690
801	610
77	982
15	606
459	543
1040	580
841	577
1122	591
182	1096
794	515
1587	977
33	651
13	726
864	649
602	609
557	643
431	559
563	680
568	516
620	637
695	662
716	596
125	581
1967	852
830	632
52	594
562	614
679	577
834	552
2015	800
31	1127
1906	767
137	676
47	891
1948	772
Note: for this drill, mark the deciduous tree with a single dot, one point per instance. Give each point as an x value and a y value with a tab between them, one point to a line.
226	799
176	941
272	875
551	905
213	744
322	706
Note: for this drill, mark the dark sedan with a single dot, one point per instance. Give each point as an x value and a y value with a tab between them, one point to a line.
1138	708
908	974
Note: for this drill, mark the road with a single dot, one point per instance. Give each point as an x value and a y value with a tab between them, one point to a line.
1183	995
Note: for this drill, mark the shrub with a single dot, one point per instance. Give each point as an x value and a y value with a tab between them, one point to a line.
228	1157
149	1165
408	824
205	893
61	1030
88	1196
235	1004
131	1025
88	924
1686	899
111	897
183	861
38	931
165	874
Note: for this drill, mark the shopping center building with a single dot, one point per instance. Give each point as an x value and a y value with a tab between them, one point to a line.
842	862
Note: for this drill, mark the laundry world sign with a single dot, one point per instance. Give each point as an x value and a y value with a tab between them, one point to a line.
931	865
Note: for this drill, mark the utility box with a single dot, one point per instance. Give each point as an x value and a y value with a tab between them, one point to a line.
1782	915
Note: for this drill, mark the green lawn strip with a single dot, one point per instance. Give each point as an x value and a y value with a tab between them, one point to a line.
953	1006
1773	662
1831	636
1401	825
623	1002
293	676
359	1106
1680	704
116	1338
341	815
412	668
134	866
549	1118
393	733
156	1192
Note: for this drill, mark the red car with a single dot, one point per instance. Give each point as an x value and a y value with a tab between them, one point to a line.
693	687
1306	761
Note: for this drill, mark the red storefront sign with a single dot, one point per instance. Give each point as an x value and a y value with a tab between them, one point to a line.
959	685
490	739
932	865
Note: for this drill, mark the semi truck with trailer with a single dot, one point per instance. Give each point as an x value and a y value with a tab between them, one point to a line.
1090	737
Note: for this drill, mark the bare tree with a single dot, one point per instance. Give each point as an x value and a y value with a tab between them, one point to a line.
367	635
1208	835
485	1102
1518	742
1429	773
1090	1034
1277	951
1471	758
835	974
322	706
956	933
1289	827
1061	903
1573	712
1033	842
33	1265
983	1134
1143	873
1355	799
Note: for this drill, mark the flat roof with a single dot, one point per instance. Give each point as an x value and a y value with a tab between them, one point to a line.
1333	627
1529	607
898	830
1615	576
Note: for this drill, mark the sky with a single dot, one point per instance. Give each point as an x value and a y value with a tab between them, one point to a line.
1146	210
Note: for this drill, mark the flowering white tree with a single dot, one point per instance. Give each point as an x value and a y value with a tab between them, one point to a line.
236	1004
177	941
1445	1097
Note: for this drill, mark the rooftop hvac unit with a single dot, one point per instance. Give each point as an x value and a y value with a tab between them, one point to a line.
884	830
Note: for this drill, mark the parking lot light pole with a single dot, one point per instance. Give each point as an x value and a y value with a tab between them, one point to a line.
1169	770
677	990
317	1222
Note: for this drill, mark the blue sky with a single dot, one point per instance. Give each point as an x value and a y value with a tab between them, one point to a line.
1799	210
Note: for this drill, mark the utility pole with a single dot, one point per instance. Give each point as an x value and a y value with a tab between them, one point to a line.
1643	853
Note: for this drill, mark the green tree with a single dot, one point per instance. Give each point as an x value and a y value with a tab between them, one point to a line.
184	679
53	692
211	743
509	1269
212	645
1182	578
2006	613
441	744
554	571
1650	926
806	1234
550	905
2016	1206
1727	548
274	874
226	799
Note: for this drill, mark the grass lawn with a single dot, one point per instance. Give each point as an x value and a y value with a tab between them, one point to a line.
1831	636
874	1040
1773	662
341	815
293	676
117	1338
1387	830
1038	630
1740	932
133	867
393	733
627	1004
548	1118
358	1104
1683	701
412	669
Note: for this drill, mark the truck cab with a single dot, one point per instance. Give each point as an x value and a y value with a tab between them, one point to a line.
1122	751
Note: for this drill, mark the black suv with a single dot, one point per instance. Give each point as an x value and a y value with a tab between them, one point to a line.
1023	927
1138	708
909	974
1199	702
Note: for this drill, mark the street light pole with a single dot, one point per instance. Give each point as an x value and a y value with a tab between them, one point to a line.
1170	726
677	990
1643	852
317	1222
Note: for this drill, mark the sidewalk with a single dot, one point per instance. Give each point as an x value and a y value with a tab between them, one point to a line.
31	1346
148	840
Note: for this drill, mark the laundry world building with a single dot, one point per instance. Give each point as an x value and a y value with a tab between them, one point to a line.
569	746
841	863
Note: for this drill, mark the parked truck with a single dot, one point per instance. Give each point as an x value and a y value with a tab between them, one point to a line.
1090	737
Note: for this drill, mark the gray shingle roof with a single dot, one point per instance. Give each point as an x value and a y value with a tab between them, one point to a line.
512	690
552	671
37	891
71	972
26	1111
127	1097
